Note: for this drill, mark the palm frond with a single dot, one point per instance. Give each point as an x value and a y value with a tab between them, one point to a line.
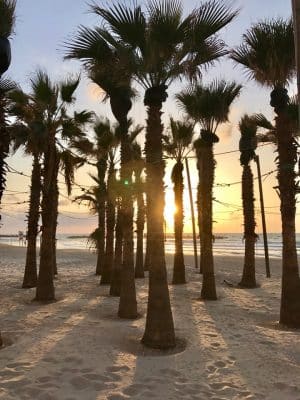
267	52
67	89
248	141
128	23
88	44
210	18
7	17
209	104
84	117
69	163
261	121
44	91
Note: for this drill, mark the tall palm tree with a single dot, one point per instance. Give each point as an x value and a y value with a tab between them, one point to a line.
26	133
7	22
110	212
6	85
209	106
164	46
177	146
99	148
106	63
268	56
51	100
248	143
138	168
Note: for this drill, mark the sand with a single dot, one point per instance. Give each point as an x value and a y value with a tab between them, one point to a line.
77	349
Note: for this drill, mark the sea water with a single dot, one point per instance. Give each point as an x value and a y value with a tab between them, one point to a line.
231	244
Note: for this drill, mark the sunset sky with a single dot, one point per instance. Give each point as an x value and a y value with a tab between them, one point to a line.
41	29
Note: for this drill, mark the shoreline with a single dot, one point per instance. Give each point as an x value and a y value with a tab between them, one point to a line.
168	253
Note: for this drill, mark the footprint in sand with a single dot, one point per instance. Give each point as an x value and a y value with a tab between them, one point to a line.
170	372
72	359
135	389
18	365
118	368
6	374
43	379
47	396
215	345
79	383
50	360
94	377
33	392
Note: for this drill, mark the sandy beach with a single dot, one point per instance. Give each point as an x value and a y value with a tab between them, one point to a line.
77	349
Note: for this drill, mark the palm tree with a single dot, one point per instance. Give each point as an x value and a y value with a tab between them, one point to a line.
177	147
138	168
268	55
7	22
164	46
106	63
209	106
248	143
104	141
26	133
6	85
51	100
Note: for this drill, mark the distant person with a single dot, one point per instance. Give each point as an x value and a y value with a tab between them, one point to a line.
21	238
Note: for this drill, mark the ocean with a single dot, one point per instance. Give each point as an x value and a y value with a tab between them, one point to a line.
225	244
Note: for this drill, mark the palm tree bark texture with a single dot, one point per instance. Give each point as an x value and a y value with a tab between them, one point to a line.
207	166
179	267
115	286
248	278
110	223
140	222
101	168
45	287
4	144
30	273
128	303
159	330
287	156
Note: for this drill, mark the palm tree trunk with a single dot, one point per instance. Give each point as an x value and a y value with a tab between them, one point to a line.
159	330
55	213
4	146
147	261
248	277
115	286
30	273
101	167
140	222
110	227
287	156
200	191
208	291
45	286
128	303
179	267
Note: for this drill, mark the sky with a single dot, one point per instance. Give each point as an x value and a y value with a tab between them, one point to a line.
41	29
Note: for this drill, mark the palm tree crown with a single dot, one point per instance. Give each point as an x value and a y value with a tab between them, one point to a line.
209	105
164	44
262	49
248	141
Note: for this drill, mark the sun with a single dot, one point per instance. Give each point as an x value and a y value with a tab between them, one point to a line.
169	213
